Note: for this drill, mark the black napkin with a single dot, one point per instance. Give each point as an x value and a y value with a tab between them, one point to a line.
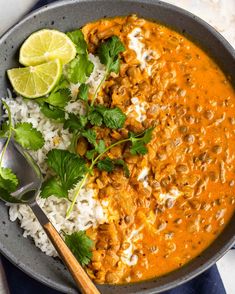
20	283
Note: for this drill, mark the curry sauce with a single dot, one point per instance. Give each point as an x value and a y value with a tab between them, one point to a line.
180	195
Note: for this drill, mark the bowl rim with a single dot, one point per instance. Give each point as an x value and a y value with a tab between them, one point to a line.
224	248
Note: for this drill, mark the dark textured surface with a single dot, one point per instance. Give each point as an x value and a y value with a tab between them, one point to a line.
67	15
207	282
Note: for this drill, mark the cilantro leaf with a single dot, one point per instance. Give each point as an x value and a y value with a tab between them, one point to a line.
59	98
83	92
108	53
109	164
114	118
95	118
90	135
69	169
138	148
106	165
100	147
147	135
81	246
62	84
28	137
53	187
79	69
8	179
77	38
139	142
122	163
52	112
75	123
90	154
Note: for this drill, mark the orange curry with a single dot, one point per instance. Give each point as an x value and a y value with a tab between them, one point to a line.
180	195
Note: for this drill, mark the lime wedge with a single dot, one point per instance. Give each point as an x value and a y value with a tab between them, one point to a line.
46	45
35	81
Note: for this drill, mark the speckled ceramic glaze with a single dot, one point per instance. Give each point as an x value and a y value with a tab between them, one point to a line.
68	15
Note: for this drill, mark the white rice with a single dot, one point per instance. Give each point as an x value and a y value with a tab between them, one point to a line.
97	74
87	211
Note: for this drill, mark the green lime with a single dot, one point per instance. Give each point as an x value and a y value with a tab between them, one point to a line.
35	81
46	45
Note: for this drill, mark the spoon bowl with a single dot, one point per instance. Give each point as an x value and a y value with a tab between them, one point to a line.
30	180
26	170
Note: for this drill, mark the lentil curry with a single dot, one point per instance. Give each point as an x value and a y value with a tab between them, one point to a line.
180	195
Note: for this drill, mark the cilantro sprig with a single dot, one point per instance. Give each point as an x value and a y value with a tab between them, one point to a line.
80	245
112	118
138	142
72	170
109	165
8	180
28	137
80	68
108	53
24	133
69	169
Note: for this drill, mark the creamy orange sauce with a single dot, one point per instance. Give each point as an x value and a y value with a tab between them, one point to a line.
185	197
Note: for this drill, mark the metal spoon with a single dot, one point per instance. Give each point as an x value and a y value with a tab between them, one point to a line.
30	181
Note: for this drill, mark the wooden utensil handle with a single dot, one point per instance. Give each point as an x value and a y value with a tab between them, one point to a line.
80	276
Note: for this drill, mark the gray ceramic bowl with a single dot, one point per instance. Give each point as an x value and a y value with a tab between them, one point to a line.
68	15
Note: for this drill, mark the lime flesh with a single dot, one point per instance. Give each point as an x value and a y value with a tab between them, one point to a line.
35	81
46	45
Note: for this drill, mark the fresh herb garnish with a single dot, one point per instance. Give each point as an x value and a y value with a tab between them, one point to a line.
69	169
83	92
23	133
52	112
108	53
95	118
90	135
80	245
58	98
75	122
79	69
135	140
106	164
8	180
109	165
112	118
139	142
77	38
28	137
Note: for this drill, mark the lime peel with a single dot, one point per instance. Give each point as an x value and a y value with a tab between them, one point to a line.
46	45
35	81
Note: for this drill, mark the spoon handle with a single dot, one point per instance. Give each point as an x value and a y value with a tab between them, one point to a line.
79	275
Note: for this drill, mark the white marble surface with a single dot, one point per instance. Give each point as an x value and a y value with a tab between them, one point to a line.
219	13
11	11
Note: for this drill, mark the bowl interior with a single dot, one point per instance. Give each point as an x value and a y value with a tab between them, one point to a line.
68	15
